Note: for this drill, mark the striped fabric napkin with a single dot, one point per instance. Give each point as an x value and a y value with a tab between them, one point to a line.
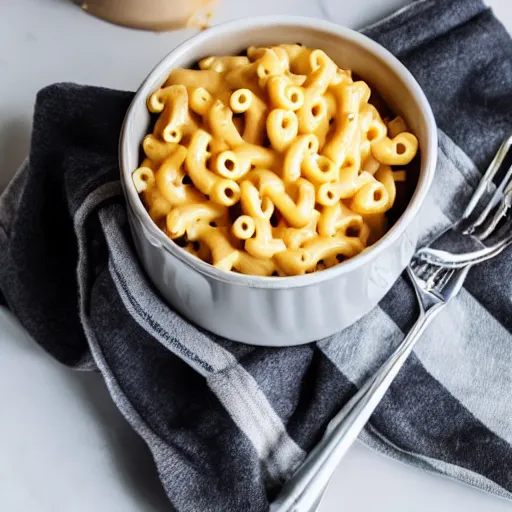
227	422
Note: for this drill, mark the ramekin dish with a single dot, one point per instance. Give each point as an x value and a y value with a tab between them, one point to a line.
281	311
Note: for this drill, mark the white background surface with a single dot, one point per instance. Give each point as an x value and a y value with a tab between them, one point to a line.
63	445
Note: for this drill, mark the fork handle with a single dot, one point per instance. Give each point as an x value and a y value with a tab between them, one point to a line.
303	492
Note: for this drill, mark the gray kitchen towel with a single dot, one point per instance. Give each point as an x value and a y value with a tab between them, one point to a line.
227	423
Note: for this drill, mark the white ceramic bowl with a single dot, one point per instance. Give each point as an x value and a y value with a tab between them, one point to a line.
283	311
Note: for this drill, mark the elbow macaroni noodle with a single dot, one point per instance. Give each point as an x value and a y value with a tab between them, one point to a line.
273	163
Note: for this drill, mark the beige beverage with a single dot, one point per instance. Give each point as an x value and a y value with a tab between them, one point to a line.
155	15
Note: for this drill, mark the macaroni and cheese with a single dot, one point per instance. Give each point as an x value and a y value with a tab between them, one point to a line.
272	163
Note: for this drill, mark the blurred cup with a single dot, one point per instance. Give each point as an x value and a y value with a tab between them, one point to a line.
157	15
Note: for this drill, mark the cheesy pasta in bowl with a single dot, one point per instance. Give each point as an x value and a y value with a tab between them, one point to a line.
272	170
273	163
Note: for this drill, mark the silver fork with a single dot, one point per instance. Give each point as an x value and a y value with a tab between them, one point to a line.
435	286
462	236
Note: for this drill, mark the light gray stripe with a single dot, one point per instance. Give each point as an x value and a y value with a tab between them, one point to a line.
470	353
432	219
156	445
447	180
95	198
455	178
252	413
233	385
361	348
459	159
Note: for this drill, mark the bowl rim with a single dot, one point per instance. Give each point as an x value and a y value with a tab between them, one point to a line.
158	237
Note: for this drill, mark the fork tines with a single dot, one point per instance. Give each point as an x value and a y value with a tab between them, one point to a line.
500	202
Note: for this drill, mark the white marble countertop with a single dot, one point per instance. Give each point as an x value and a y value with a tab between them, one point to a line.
64	447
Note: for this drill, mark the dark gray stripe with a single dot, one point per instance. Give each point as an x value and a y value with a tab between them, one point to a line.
407	30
